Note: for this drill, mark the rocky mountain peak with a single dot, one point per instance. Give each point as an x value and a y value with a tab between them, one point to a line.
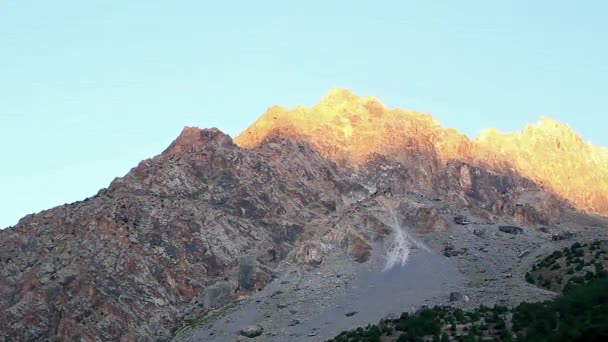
343	126
351	129
193	139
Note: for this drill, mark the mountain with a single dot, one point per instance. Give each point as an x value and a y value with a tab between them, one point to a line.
211	220
350	129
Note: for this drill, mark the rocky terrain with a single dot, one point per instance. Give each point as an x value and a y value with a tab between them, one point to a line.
214	234
464	267
351	129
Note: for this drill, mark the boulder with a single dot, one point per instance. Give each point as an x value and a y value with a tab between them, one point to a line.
510	229
360	250
562	236
311	253
461	220
252	331
456	296
427	220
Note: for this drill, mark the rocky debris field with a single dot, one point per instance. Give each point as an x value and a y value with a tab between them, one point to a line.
317	303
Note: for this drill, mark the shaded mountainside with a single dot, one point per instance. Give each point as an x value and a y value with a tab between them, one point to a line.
350	129
207	221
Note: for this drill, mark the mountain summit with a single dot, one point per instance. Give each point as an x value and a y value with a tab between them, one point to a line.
352	129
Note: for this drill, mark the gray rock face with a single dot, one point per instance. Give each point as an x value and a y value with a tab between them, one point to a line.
562	236
247	273
479	232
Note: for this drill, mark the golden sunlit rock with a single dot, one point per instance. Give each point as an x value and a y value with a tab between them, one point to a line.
348	128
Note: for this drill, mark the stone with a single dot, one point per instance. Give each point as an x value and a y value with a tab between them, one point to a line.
562	236
252	331
461	220
311	253
360	250
247	273
479	232
524	253
456	296
510	229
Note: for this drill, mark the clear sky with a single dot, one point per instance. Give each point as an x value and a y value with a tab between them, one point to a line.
90	88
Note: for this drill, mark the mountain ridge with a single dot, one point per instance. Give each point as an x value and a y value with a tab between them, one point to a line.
349	129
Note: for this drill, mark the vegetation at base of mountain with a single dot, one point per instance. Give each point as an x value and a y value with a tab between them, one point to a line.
570	267
438	324
581	314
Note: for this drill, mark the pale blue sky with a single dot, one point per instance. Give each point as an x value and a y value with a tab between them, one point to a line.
90	88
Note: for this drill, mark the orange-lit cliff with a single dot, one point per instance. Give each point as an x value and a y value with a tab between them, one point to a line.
348	128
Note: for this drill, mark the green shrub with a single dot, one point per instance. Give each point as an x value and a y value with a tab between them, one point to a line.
459	315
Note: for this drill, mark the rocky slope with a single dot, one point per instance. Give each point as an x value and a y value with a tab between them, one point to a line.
209	221
134	259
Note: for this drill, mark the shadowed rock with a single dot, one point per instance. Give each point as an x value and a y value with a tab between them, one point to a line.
510	229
